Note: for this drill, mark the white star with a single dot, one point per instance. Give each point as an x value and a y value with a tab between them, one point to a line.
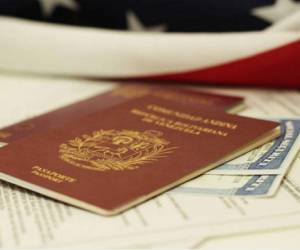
134	24
48	6
278	11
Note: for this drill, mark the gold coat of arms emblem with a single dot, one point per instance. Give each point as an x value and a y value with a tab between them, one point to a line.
105	150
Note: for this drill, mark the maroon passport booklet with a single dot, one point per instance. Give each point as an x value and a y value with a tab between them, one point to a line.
113	159
116	96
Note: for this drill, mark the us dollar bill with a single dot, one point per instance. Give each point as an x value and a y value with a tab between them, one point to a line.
273	158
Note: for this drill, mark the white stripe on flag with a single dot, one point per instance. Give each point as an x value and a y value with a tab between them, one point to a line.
56	49
291	23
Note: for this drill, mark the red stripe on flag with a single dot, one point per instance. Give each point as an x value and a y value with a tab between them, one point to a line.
279	67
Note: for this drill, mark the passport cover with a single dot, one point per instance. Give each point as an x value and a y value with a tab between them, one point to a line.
111	160
111	98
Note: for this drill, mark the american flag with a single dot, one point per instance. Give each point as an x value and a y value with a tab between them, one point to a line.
237	42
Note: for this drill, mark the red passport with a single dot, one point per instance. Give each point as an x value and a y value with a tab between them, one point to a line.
116	96
111	160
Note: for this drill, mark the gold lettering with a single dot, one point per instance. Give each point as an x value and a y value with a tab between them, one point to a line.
176	125
193	118
51	175
4	135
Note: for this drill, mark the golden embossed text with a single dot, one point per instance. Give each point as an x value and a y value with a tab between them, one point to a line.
51	175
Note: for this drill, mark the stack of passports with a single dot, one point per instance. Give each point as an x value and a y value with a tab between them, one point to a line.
116	150
119	95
